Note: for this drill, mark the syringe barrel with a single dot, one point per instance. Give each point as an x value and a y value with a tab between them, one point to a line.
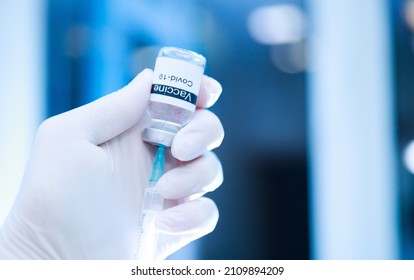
152	200
147	235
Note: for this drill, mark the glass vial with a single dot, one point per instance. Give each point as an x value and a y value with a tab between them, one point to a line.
174	91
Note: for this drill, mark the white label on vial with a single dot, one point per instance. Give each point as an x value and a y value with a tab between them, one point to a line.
176	82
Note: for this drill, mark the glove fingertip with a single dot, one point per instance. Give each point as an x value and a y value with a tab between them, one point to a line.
186	149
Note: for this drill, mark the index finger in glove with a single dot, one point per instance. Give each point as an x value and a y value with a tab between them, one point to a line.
204	133
210	91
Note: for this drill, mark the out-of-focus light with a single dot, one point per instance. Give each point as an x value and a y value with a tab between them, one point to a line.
277	24
408	157
289	58
409	14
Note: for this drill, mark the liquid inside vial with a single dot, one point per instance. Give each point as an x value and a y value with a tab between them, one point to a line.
168	117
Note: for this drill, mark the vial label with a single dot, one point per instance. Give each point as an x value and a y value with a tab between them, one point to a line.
176	82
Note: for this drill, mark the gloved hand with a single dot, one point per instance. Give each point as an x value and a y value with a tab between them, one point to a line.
81	193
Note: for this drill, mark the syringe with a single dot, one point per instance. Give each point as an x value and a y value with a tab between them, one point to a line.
152	203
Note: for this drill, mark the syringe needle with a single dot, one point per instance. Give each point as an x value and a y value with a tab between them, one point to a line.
158	166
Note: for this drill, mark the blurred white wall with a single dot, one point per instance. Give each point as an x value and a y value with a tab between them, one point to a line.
22	89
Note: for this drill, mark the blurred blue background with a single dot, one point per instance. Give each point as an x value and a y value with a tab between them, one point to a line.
317	108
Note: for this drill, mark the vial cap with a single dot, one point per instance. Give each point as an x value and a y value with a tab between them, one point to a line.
156	136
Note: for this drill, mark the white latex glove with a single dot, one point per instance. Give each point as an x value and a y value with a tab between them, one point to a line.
81	194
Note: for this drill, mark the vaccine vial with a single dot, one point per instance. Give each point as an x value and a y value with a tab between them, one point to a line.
176	84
